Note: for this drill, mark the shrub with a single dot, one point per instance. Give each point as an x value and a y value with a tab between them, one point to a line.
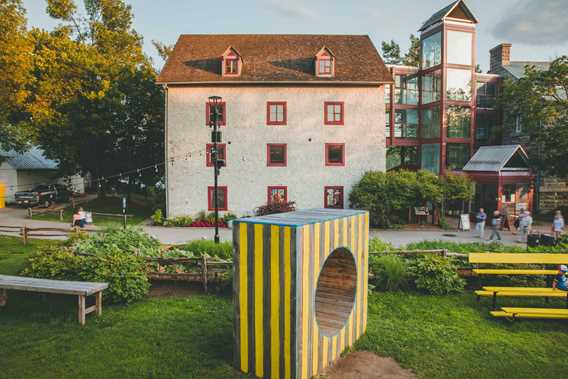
223	250
390	272
55	264
178	221
157	217
435	275
131	241
377	245
229	216
275	207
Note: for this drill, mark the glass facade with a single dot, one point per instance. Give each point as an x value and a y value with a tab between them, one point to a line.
485	126
406	89
458	85
457	155
459	122
430	157
431	123
406	123
459	47
432	50
402	157
431	87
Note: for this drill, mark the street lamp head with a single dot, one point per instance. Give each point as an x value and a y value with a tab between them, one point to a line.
214	100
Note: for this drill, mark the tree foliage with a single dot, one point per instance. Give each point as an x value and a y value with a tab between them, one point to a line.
412	56
392	54
540	99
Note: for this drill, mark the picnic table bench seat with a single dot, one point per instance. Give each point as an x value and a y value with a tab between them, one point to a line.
80	289
550	313
496	271
495	292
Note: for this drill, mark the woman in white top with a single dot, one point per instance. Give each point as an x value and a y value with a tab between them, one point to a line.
558	225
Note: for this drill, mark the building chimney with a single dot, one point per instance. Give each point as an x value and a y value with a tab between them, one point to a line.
500	55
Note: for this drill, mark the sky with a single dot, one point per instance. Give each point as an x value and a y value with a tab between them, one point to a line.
536	28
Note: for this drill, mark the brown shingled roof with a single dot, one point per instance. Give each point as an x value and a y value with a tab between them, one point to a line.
274	58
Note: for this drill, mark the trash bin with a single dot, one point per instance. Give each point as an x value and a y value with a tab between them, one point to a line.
300	290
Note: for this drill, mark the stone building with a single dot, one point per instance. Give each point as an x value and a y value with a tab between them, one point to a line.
302	119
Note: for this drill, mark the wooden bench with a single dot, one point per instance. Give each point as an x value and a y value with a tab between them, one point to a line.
517	258
80	289
515	313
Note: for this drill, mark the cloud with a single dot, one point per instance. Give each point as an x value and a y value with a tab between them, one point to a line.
534	22
292	9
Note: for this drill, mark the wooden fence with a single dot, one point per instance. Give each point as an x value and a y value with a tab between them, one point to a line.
26	232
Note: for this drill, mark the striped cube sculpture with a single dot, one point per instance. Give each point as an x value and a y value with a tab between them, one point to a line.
300	290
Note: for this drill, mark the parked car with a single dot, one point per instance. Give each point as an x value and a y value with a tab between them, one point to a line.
43	195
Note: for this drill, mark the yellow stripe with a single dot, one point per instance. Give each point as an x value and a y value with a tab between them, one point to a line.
305	297
275	301
325	346
366	272
354	252
315	333
333	347
344	232
243	295
287	302
359	274
342	339
326	239
335	234
258	284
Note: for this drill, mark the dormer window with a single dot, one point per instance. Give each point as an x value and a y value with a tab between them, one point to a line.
325	63
231	63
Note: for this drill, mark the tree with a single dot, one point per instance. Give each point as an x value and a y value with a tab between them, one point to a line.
163	50
478	69
540	99
391	52
412	56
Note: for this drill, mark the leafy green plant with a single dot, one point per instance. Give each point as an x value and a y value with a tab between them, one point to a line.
229	216
390	272
223	250
435	275
178	221
377	245
131	241
157	217
61	264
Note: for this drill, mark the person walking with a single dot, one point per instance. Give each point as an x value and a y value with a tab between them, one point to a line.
495	226
525	225
480	219
558	225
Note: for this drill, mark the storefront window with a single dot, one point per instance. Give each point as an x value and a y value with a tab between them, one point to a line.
459	122
432	50
459	85
431	157
406	89
457	155
406	123
431	87
402	157
459	47
431	123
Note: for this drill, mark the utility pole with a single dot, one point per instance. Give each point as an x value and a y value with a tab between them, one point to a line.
214	104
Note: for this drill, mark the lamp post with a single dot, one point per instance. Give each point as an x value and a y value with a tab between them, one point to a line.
214	104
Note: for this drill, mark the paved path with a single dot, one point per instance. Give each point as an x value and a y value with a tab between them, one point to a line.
17	217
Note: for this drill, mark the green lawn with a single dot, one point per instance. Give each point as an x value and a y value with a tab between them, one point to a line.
13	253
111	205
436	336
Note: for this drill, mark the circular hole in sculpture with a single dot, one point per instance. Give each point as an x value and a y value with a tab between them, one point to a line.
335	291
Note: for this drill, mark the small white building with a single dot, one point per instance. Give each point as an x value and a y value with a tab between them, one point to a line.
23	171
302	120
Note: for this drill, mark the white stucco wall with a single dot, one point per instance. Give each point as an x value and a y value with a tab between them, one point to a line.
246	135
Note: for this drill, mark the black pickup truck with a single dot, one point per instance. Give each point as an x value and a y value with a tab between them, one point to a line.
43	195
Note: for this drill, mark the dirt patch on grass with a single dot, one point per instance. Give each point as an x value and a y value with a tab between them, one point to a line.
366	365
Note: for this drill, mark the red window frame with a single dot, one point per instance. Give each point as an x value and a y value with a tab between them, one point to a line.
227	65
327	104
328	146
329	69
326	203
210	205
269	193
269	162
223	119
285	113
220	146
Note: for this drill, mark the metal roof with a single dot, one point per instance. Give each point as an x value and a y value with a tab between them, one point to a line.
33	159
303	217
444	12
517	69
495	158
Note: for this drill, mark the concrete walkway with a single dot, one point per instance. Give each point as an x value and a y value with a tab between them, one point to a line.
17	217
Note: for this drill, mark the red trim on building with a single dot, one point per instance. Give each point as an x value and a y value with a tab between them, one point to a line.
341	113
285	113
222	121
269	162
328	146
222	148
223	206
342	196
269	190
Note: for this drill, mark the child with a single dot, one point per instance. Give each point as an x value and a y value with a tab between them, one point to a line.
560	280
